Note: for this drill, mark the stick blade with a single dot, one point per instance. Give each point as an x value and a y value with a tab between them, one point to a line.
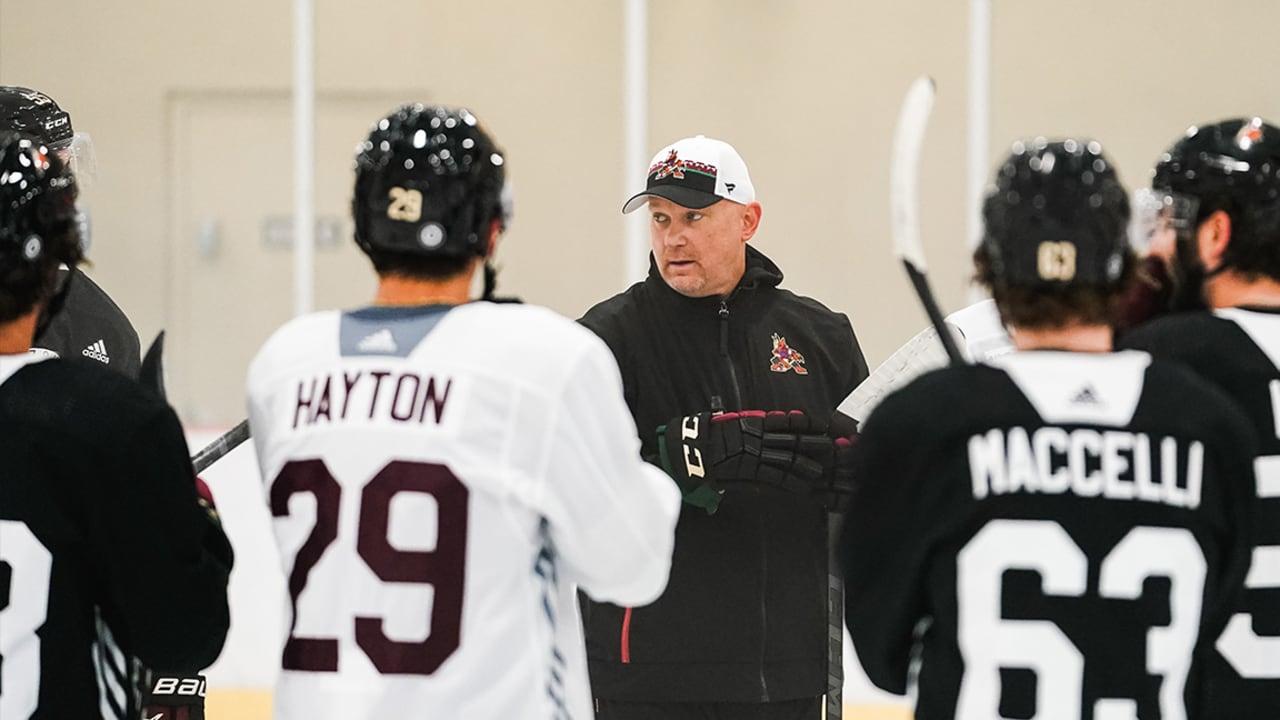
151	372
908	141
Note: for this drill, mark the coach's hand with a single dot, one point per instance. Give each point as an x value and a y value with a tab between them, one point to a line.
836	487
788	449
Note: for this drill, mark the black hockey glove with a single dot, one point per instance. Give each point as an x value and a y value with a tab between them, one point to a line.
836	486
788	449
835	489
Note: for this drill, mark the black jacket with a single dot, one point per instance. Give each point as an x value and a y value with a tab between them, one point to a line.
743	618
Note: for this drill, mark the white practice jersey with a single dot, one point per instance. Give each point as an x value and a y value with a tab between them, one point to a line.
441	481
979	334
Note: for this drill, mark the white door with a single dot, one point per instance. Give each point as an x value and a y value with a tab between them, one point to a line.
231	281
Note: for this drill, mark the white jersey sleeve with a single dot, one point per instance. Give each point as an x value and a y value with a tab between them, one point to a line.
613	515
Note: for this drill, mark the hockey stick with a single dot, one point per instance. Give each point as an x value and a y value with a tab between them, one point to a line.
904	202
151	375
215	450
151	372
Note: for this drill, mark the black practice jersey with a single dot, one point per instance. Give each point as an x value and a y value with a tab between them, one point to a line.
85	323
104	550
1239	350
1055	535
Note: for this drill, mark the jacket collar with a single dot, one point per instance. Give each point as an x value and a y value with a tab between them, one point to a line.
760	272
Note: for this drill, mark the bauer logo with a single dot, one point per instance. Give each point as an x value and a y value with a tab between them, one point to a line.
180	686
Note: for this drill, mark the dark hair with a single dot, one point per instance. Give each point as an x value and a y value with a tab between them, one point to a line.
38	228
1047	307
1232	166
1254	249
417	266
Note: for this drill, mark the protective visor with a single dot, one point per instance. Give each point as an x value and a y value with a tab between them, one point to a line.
1158	218
77	152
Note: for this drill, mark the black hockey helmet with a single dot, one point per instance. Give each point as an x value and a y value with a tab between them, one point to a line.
34	113
1056	216
429	181
38	228
1233	166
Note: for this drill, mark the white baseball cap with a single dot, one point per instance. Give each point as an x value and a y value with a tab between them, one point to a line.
696	172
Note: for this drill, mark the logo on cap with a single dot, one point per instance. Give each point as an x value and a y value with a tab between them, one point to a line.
672	166
695	173
675	167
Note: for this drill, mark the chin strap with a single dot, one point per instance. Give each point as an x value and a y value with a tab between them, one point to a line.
62	283
490	280
491	284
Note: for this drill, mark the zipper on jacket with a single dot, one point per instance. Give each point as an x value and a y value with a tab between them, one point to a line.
764	617
764	569
626	635
724	351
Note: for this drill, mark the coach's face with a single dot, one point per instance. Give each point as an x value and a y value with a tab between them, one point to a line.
701	253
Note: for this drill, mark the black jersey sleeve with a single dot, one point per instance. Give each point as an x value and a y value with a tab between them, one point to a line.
162	562
885	594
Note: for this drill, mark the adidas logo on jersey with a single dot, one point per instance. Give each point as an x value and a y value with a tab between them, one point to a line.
97	351
1086	396
378	342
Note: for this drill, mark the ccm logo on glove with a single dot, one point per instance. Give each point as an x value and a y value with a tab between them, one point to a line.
692	456
787	449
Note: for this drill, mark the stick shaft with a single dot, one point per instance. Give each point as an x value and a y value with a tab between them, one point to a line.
921	285
904	195
217	449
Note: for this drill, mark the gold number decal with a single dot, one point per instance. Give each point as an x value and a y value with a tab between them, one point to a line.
1056	260
406	205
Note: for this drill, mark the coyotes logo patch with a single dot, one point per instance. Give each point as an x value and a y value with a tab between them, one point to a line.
784	358
672	166
675	167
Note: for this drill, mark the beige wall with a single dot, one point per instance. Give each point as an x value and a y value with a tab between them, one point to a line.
806	89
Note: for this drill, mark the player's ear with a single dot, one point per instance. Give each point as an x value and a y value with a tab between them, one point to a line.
750	220
1213	236
495	231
